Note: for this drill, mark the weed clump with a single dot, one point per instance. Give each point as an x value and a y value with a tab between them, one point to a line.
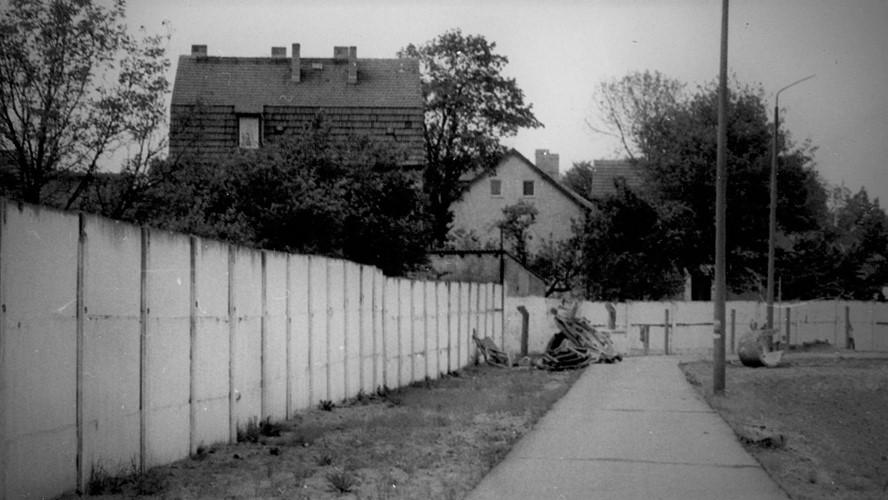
342	481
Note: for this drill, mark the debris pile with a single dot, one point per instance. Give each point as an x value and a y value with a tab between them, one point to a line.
577	344
491	353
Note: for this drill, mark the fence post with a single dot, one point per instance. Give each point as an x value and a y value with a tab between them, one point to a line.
849	330
733	328
788	337
143	346
645	338
525	322
79	315
666	332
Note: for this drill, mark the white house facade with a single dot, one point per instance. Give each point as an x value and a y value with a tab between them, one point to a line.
517	179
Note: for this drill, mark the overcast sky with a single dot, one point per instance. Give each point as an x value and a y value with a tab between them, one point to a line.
559	50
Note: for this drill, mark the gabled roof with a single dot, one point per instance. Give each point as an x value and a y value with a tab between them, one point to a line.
569	193
605	172
249	83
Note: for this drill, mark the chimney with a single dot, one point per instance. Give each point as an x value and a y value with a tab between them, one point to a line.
278	52
547	162
199	50
340	54
295	65
352	65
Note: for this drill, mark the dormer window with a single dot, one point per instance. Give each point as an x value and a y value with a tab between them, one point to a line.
248	132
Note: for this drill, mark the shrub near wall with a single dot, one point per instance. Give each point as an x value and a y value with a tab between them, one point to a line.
122	345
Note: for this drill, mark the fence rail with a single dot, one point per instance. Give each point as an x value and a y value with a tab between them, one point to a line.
122	345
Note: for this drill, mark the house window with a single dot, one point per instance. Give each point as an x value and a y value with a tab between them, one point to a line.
496	187
528	188
248	132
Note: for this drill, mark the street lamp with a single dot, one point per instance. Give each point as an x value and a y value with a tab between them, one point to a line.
772	216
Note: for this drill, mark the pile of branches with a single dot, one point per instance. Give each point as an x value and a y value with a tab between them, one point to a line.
577	344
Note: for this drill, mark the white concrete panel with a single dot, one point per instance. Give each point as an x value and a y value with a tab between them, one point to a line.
817	323
420	340
211	345
379	333
319	335
275	349
167	378
300	369
465	324
453	326
431	328
247	345
38	263
860	316
405	333
336	321
391	315
111	345
353	330
366	330
442	299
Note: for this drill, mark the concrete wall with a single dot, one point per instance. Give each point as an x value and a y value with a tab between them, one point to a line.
687	327
124	346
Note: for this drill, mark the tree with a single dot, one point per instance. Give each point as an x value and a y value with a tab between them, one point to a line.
469	107
629	247
679	151
58	115
629	104
309	194
560	264
579	179
516	222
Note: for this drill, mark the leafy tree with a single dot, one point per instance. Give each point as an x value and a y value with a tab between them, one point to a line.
579	179
560	263
628	247
58	114
516	222
308	194
861	229
469	107
679	155
632	103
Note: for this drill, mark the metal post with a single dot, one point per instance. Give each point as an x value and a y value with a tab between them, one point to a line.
718	355
772	212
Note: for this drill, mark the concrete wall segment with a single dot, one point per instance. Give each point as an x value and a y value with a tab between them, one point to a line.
112	346
275	347
38	276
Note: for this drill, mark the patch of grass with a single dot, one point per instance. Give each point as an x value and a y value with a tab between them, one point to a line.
324	459
133	483
342	481
270	429
250	432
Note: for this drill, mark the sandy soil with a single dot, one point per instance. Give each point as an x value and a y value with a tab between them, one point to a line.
817	423
432	440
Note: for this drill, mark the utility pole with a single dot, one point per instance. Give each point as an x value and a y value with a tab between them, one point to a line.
772	213
721	182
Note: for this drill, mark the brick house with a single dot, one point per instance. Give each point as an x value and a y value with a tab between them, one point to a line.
515	179
220	104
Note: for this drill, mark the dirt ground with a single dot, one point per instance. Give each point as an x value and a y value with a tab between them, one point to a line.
817	423
432	440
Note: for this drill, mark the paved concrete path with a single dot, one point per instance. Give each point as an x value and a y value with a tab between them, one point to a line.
632	430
